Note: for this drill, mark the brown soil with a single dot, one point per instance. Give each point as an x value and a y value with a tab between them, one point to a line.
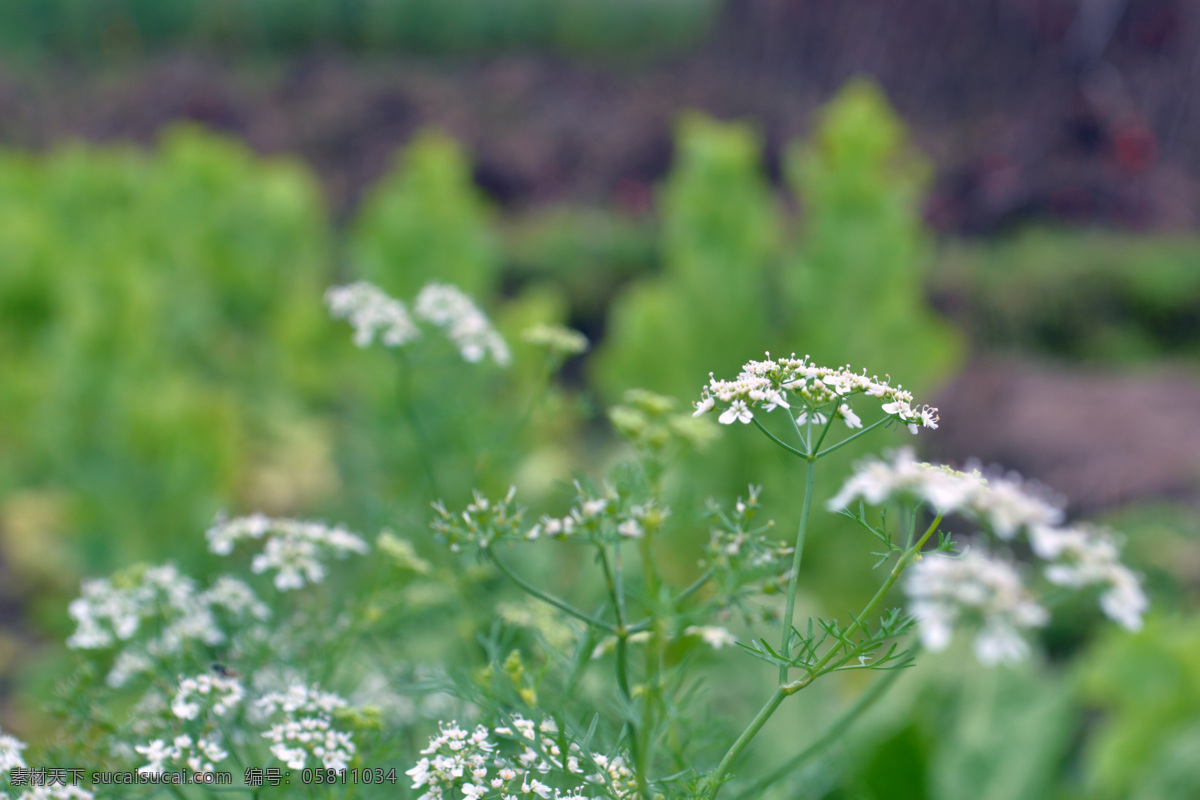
1100	438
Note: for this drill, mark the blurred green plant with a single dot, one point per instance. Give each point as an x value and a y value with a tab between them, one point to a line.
158	330
721	228
34	28
1091	294
945	734
167	354
1148	690
426	219
731	277
863	252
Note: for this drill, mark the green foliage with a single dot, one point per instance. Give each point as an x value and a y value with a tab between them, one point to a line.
855	285
946	734
1149	690
849	288
169	355
720	228
425	221
587	253
1092	294
33	28
158	325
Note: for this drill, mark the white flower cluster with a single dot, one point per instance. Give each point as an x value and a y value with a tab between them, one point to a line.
372	312
735	545
307	728
591	513
1074	557
200	754
984	592
217	694
1081	556
471	765
55	792
482	523
156	612
10	758
714	636
1002	502
467	327
779	383
294	548
10	753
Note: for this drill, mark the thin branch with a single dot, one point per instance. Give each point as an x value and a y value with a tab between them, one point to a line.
831	735
561	605
779	441
850	439
794	575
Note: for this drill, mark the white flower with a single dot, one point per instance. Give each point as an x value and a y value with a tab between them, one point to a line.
10	753
157	612
851	419
371	312
714	637
816	417
631	529
1074	557
508	761
56	792
1124	601
216	693
294	548
1003	503
1082	556
307	728
737	412
183	752
987	593
466	326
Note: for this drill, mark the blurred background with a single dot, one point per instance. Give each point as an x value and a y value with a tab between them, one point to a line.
995	202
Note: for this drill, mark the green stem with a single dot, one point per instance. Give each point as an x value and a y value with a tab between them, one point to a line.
751	731
695	587
786	689
410	416
850	439
779	441
541	387
793	577
831	735
828	424
561	605
868	609
616	591
619	584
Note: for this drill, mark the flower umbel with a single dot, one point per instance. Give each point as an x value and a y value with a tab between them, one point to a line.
371	312
307	728
946	591
1073	557
468	328
293	548
790	382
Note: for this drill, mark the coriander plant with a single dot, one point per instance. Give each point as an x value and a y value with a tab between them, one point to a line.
321	665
